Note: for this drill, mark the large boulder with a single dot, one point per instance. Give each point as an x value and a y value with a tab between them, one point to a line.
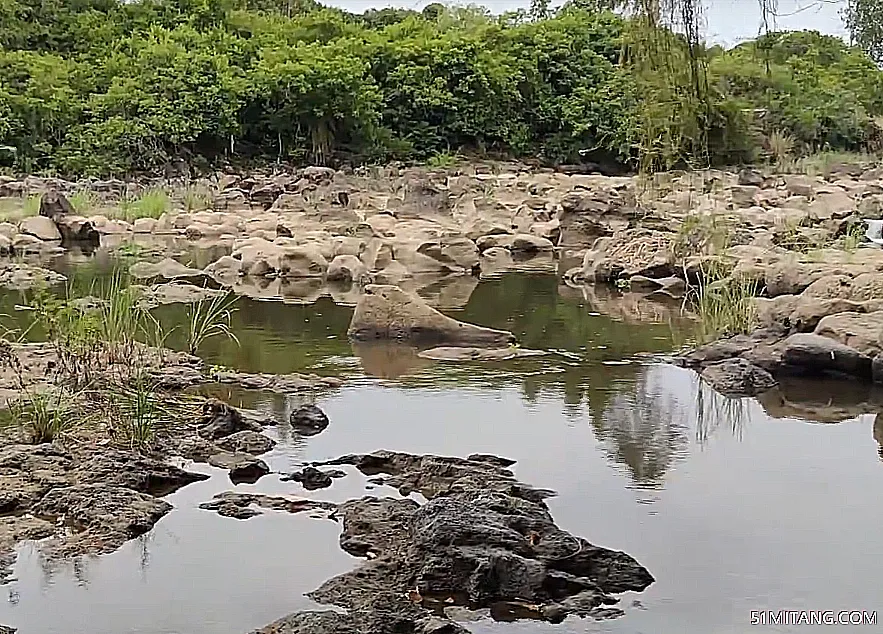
302	261
808	353
40	227
346	268
859	331
71	227
388	312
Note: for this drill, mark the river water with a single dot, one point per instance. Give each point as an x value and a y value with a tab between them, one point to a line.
733	505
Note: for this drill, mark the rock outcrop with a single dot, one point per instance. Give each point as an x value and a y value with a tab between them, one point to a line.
482	540
388	312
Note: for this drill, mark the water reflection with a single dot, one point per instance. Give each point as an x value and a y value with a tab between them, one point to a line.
643	427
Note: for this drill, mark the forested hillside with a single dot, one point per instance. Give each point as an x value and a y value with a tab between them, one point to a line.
107	87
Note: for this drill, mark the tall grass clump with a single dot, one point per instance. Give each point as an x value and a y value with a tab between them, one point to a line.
137	411
83	201
44	415
209	318
152	203
90	340
197	198
724	304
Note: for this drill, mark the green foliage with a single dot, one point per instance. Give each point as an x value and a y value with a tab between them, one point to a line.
812	87
106	87
864	19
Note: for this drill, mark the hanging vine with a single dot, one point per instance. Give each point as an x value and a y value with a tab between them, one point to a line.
666	50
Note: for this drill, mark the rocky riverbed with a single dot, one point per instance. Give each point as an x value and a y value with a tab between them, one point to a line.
401	248
306	233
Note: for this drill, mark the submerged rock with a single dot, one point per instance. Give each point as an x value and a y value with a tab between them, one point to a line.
239	505
312	478
309	420
281	383
388	312
166	268
456	353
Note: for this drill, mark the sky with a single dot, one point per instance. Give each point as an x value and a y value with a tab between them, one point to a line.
727	21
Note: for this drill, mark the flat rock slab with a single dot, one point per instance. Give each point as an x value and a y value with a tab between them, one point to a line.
113	511
453	353
247	441
240	505
817	354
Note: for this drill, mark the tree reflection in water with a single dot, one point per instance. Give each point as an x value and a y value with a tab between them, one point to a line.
642	426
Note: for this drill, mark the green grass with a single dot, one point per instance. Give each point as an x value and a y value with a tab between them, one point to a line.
197	198
14	209
209	318
442	160
151	204
724	305
139	412
83	202
45	416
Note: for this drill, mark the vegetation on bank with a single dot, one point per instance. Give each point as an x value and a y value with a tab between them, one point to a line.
98	384
90	87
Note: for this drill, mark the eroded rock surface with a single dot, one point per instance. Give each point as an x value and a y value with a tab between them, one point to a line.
483	539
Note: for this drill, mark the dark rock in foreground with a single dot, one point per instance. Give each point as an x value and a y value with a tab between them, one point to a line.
131	470
483	540
115	513
309	420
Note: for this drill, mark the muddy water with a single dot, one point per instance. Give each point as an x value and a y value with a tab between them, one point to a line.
733	506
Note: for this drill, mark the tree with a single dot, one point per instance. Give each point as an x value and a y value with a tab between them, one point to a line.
864	20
